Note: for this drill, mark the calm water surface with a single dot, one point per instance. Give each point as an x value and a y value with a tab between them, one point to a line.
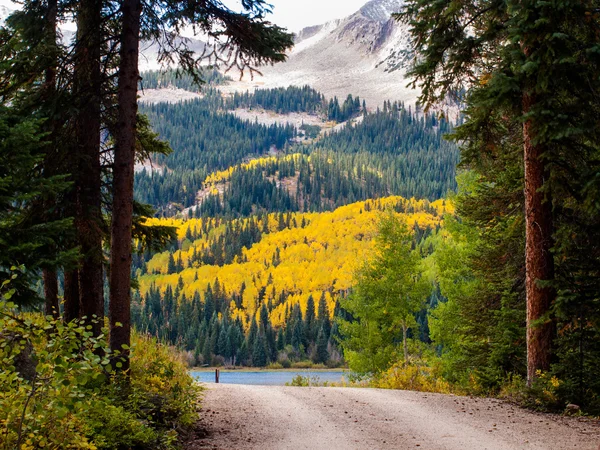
271	378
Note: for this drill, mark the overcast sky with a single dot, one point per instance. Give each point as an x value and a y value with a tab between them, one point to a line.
292	14
297	14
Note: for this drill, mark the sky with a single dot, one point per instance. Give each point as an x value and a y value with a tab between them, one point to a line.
292	14
297	14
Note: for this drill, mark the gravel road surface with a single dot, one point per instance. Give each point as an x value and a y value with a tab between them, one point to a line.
275	417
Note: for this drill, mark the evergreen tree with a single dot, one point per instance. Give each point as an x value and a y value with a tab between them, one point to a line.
321	354
323	317
543	91
264	317
309	319
259	351
280	339
252	334
22	182
171	267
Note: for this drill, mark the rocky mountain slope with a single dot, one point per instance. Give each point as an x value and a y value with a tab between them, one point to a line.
364	54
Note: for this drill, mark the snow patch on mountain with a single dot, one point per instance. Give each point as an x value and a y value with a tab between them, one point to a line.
381	10
312	35
365	54
270	118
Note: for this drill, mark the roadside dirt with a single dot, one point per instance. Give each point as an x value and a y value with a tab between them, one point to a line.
276	417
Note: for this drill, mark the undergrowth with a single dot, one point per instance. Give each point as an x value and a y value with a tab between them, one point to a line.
59	390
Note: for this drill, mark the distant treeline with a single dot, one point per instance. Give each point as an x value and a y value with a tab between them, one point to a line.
392	151
157	79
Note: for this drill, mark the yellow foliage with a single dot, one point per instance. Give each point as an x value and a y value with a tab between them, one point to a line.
414	378
224	175
321	257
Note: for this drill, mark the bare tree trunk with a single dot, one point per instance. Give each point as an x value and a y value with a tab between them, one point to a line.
539	261
405	342
51	293
71	293
51	35
49	274
123	173
88	219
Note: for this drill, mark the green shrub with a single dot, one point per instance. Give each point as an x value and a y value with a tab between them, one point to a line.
161	387
542	395
306	381
302	364
286	363
414	378
113	427
59	391
299	381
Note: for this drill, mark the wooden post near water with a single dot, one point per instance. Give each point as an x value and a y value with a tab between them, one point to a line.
217	373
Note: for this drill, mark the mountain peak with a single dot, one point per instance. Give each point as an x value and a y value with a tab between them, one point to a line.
381	10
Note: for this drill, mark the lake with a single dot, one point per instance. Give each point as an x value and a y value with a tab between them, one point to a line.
270	378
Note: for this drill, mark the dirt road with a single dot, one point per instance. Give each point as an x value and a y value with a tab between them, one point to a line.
276	417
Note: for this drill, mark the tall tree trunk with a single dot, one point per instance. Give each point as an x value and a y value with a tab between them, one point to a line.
71	293
51	293
539	261
88	218
51	36
49	274
123	173
405	342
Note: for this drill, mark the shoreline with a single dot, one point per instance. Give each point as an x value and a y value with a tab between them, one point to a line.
265	369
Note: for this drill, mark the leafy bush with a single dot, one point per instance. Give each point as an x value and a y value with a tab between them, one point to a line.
58	389
286	364
302	364
543	395
161	386
306	381
414	378
299	381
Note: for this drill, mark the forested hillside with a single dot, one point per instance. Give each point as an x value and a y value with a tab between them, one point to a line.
283	228
230	292
160	79
394	151
203	140
73	374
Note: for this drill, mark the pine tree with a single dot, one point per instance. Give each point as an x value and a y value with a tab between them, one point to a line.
171	268
280	339
22	179
252	333
531	91
264	317
309	319
323	317
321	354
259	351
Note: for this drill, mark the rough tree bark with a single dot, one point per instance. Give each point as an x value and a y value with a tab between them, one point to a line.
88	218
49	274
405	342
539	261
123	173
71	296
51	293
